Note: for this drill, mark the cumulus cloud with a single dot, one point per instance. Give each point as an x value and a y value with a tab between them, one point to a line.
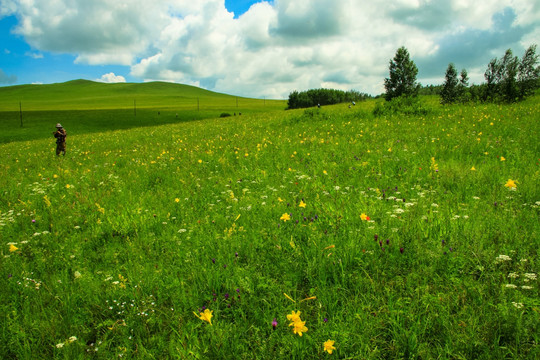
111	78
277	46
7	79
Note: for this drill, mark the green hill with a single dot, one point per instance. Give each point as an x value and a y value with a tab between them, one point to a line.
84	106
84	94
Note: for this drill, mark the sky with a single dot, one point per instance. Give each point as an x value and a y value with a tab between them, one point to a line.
257	48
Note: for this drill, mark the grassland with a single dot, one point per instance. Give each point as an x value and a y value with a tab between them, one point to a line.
86	107
398	237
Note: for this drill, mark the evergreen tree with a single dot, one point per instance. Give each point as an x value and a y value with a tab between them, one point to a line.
463	86
449	92
402	80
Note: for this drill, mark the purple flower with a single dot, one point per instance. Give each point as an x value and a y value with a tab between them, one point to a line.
401	250
376	237
238	290
33	220
213	261
236	254
325	320
387	241
274	323
226	296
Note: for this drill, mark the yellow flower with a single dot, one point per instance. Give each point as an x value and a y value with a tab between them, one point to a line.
285	217
280	199
324	172
502	158
511	184
329	346
200	161
205	316
13	248
294	317
68	186
302	204
473	169
299	327
177	200
364	217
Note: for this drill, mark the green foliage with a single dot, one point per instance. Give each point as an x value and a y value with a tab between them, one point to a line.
403	105
402	80
314	97
508	79
449	92
394	247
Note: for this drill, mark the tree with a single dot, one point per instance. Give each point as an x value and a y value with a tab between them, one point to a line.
528	72
508	70
449	92
463	85
402	80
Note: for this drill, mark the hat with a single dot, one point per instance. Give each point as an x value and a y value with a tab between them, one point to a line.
58	125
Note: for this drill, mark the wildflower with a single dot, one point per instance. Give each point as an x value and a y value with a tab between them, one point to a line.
72	339
329	346
510	286
502	258
502	158
302	204
13	248
59	345
285	217
511	184
294	317
274	324
530	276
177	200
473	169
205	316
299	327
364	217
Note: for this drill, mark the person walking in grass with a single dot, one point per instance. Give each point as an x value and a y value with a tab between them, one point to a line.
60	135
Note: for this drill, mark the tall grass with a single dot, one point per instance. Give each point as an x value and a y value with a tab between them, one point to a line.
395	237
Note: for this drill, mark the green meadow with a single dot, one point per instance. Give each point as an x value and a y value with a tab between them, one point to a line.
302	234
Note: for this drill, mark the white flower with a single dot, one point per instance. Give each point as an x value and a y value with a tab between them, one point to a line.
72	339
60	345
513	275
510	286
526	287
517	305
530	276
502	258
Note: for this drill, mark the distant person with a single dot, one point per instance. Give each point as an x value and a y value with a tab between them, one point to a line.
60	135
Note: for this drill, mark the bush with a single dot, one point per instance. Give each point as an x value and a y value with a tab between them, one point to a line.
224	115
403	105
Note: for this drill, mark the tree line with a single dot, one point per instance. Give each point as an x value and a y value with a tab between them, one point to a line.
314	97
508	79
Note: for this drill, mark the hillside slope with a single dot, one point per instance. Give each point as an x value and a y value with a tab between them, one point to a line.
89	95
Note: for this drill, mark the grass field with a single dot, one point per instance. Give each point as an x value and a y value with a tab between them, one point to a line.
399	237
85	107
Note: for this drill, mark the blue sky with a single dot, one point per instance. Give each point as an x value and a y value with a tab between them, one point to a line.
256	48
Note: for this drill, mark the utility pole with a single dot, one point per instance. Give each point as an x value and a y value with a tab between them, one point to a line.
20	113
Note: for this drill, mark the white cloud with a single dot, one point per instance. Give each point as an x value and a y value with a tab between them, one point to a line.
112	78
277	46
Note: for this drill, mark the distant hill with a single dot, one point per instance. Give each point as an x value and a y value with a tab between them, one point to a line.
84	94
